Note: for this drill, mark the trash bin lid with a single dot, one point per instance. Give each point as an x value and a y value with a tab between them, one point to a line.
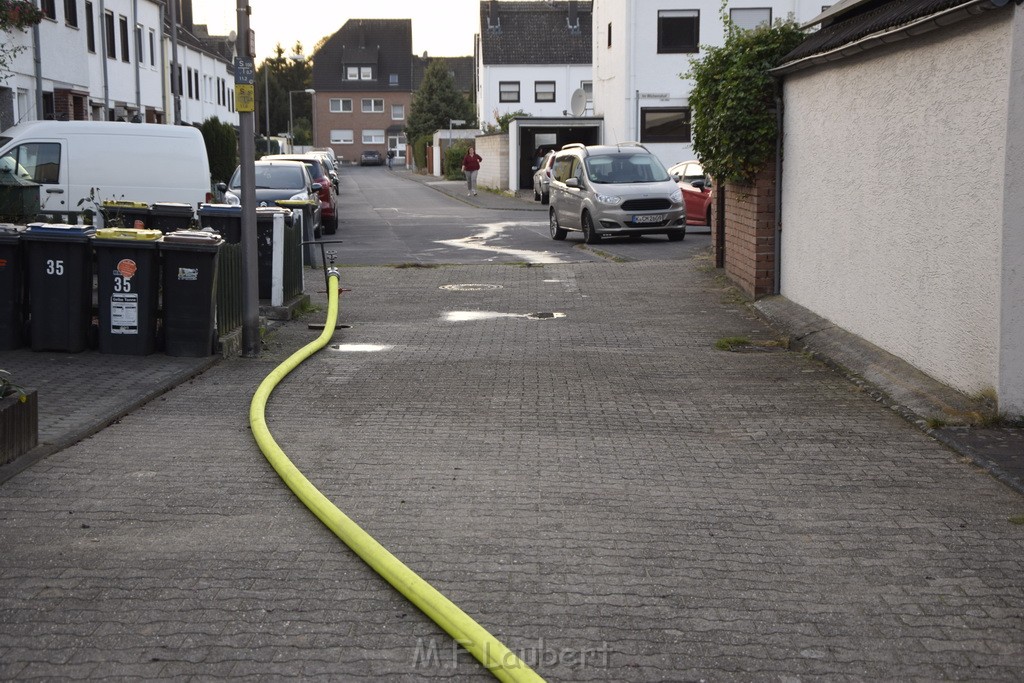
128	234
11	229
220	210
295	203
122	204
59	230
203	237
172	208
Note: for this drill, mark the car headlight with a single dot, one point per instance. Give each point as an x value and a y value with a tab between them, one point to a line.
609	199
232	199
300	197
676	197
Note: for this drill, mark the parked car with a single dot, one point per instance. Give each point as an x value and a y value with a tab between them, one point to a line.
542	178
328	194
613	190
278	180
371	157
332	169
696	187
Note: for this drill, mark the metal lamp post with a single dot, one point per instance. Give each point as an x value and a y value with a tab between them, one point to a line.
291	131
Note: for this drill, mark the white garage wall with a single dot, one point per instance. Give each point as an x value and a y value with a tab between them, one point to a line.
893	202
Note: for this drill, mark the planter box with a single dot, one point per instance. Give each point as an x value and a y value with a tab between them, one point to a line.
19	426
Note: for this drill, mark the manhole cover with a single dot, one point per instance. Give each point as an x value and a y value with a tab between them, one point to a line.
545	316
469	287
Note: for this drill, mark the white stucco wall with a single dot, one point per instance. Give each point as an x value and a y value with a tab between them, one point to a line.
893	197
567	79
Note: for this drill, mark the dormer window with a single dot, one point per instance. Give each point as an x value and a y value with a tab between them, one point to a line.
366	73
393	80
352	73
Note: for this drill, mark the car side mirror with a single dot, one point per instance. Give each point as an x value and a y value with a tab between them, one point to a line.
573	182
316	187
699	184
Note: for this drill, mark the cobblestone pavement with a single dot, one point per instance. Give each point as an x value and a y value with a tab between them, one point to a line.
607	492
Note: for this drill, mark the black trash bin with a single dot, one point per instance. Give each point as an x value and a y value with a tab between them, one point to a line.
59	285
190	291
127	289
170	216
225	219
12	287
125	214
265	247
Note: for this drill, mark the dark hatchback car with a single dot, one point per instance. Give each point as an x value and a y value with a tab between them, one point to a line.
319	172
276	181
371	157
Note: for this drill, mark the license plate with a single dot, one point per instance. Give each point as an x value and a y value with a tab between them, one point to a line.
649	218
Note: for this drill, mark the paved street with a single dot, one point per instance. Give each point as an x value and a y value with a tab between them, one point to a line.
560	449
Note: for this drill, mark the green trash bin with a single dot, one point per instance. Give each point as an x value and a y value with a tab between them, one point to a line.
12	287
59	285
190	292
127	289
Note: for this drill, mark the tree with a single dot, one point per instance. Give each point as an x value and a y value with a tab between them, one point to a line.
280	75
733	98
221	148
437	102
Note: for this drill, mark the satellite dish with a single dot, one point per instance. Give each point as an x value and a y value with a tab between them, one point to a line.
578	102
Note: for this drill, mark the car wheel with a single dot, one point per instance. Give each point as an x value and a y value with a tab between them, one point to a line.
708	218
676	235
545	198
590	235
332	226
557	232
536	195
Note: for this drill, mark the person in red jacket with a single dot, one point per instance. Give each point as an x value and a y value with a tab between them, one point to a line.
471	166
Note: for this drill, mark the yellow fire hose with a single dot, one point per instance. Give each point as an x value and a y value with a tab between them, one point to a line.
488	650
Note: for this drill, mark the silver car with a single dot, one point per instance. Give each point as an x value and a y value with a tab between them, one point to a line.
613	190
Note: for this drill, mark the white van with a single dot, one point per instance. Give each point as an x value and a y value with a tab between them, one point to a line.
79	164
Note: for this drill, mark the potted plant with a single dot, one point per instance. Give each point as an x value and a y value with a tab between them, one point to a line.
19	419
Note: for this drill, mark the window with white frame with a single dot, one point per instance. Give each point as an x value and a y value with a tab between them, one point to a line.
366	73
393	80
665	124
543	91
397	112
372	106
373	137
342	137
508	91
678	31
750	17
340	105
352	73
588	87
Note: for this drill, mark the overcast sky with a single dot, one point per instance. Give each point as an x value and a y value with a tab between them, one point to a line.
444	28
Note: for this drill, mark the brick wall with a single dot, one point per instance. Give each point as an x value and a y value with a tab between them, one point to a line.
494	168
750	234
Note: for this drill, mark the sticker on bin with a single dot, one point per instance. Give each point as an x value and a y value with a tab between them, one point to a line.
124	314
188	274
126	268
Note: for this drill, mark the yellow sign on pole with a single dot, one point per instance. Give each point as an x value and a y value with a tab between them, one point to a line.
245	97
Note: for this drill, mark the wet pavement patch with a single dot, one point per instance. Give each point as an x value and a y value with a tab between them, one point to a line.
470	287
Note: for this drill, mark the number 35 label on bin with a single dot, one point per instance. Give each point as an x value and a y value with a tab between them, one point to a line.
188	274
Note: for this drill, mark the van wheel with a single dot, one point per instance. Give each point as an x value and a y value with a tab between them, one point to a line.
557	232
536	195
590	235
545	198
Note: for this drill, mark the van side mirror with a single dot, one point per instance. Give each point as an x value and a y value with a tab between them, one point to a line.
573	182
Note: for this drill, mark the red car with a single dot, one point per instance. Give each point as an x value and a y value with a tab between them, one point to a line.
697	194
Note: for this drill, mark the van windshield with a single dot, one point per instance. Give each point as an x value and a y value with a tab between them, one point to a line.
617	169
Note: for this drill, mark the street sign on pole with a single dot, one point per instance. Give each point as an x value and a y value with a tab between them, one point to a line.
245	84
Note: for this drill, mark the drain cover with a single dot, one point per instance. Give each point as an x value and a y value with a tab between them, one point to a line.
545	316
469	287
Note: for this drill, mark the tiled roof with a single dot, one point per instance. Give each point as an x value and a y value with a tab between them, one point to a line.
462	67
384	44
866	19
535	32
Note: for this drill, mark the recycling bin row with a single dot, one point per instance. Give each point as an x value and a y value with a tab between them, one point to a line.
47	269
163	216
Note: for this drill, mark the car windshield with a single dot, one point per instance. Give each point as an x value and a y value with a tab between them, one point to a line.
274	178
617	169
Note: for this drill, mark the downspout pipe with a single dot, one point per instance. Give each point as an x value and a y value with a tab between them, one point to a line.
37	65
777	285
106	74
138	60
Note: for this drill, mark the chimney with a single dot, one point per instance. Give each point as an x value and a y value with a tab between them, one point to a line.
493	22
573	21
